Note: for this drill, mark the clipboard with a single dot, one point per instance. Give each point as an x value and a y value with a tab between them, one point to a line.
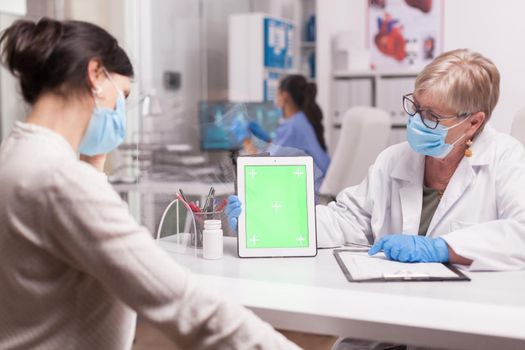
403	275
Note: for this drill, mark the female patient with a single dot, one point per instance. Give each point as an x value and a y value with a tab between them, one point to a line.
74	265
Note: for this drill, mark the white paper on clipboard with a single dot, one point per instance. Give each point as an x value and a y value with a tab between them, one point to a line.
364	267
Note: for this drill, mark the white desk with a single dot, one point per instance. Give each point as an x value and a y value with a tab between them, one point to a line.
312	295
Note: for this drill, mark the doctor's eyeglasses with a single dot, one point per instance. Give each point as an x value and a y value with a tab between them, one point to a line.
429	118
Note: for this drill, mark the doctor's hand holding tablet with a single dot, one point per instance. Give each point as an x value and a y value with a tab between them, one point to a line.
404	248
453	193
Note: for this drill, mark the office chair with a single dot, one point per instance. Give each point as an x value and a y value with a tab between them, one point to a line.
518	126
364	134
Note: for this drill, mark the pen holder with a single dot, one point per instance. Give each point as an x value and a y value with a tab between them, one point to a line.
200	217
176	228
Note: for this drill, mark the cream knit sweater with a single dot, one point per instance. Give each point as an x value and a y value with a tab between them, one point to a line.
75	266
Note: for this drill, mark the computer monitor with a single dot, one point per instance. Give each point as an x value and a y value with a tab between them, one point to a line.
217	118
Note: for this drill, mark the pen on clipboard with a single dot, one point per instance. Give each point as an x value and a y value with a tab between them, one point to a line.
358	247
356	244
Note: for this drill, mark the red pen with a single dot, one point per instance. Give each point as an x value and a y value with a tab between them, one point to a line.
221	205
182	199
194	208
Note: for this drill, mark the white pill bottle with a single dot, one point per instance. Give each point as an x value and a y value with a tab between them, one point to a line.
212	242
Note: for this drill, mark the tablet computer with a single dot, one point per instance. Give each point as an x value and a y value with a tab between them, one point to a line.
278	199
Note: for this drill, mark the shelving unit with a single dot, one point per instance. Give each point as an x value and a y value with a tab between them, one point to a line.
383	89
305	45
262	48
307	8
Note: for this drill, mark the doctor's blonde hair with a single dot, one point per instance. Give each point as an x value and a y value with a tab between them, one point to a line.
461	80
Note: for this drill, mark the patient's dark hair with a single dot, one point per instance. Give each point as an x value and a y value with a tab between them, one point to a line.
52	55
303	94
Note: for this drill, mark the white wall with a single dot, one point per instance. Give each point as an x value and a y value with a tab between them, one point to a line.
334	16
281	8
493	28
18	8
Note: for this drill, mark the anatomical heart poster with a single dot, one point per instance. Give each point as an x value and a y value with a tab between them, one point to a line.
404	34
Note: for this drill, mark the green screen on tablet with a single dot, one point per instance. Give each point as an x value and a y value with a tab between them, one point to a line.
276	206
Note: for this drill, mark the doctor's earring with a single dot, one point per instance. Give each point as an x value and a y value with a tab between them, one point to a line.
468	151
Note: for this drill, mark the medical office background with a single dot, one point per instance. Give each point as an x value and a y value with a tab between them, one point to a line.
180	50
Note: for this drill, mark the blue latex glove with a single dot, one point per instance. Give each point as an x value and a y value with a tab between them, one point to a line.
240	130
259	132
233	211
410	248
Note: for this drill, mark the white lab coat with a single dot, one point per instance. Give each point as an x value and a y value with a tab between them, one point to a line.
481	214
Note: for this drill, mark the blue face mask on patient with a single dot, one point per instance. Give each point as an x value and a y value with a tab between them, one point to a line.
427	141
107	127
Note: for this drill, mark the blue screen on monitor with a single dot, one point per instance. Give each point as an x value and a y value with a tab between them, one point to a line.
217	119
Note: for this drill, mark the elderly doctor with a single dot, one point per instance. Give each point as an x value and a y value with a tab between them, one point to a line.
455	192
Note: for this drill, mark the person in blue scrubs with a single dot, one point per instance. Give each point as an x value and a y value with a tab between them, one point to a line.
302	128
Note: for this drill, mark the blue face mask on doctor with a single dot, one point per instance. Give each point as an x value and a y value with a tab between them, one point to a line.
107	127
427	141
